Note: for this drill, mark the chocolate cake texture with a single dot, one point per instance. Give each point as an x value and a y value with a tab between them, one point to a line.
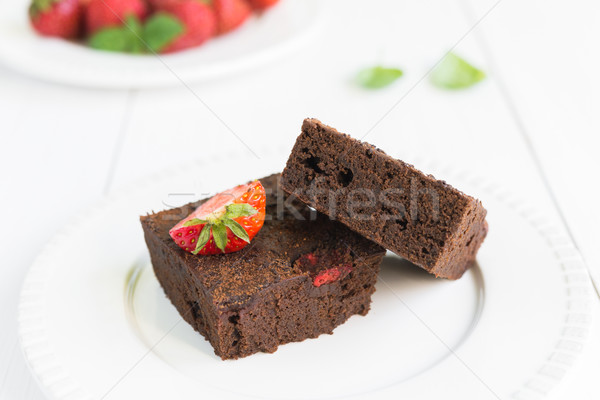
301	276
420	218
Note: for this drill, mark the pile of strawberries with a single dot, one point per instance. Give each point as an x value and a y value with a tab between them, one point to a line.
141	26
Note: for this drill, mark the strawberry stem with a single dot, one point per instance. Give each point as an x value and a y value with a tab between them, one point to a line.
218	224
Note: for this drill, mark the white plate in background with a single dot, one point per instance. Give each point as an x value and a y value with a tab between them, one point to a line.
265	37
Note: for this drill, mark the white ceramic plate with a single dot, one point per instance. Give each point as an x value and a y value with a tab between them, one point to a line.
277	32
95	324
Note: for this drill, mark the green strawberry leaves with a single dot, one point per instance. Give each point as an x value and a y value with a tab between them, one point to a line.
160	30
237	229
453	72
378	77
135	29
125	39
218	226
134	37
110	39
219	232
202	239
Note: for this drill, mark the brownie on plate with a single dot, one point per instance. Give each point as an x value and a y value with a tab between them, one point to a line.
301	276
422	219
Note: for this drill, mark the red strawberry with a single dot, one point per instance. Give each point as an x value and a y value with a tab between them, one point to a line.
331	275
231	14
262	4
225	223
60	18
198	19
325	267
110	13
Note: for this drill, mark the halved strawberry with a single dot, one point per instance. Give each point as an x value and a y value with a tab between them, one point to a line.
225	223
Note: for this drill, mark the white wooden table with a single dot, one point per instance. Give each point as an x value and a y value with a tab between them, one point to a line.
533	126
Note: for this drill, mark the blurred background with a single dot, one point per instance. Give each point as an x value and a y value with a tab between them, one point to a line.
531	125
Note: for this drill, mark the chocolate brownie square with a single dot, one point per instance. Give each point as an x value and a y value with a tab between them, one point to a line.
416	216
301	276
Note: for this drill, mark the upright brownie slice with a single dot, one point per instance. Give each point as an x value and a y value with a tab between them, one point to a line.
301	276
422	219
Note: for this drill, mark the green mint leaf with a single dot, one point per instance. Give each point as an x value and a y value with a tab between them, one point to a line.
126	38
220	235
160	30
453	72
110	39
237	229
193	222
134	28
378	77
237	210
202	238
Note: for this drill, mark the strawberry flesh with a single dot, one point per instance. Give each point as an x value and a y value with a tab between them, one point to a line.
324	266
